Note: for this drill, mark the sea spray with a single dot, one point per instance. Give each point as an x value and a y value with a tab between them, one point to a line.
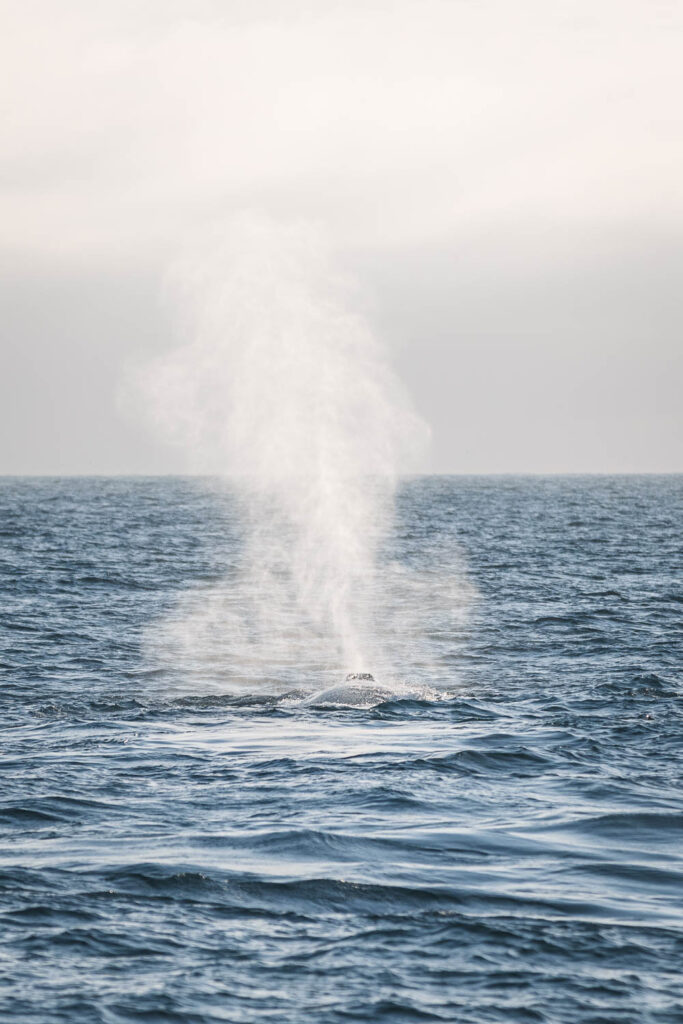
287	391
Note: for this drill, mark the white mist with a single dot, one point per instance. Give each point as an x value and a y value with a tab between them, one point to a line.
289	388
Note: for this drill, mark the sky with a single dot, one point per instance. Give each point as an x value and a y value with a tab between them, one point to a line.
502	182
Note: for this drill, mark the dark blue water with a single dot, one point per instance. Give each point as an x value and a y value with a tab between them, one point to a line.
512	852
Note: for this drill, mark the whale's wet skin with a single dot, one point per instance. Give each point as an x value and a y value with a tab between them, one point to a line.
359	689
503	843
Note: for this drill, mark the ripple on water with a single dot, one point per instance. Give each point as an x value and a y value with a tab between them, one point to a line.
504	846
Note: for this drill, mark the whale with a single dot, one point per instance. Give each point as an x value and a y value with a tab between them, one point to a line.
359	689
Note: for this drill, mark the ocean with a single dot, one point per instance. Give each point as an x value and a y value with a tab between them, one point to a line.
501	841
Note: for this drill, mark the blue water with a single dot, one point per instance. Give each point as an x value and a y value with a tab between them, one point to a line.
511	851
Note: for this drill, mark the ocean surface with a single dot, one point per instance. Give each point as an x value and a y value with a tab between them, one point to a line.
506	846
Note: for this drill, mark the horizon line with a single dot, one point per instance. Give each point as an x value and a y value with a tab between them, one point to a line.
400	476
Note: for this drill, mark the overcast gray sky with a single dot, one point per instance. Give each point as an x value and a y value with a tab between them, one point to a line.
503	180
